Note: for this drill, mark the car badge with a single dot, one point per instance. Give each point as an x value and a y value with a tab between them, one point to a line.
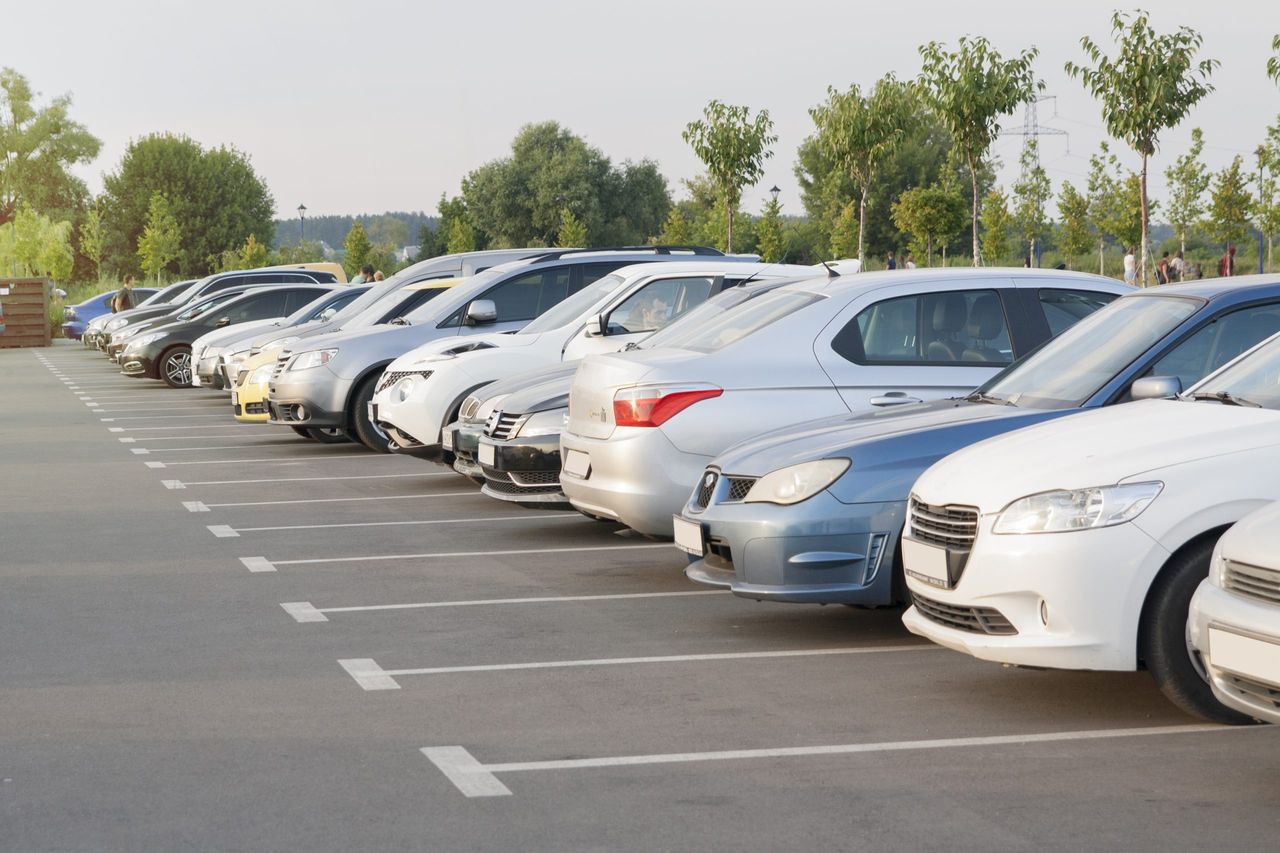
709	480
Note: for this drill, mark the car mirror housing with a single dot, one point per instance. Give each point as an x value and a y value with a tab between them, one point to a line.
481	311
223	321
1156	388
598	326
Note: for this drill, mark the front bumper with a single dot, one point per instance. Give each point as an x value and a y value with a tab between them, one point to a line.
819	551
523	470
458	441
1249	686
309	398
140	364
209	373
636	477
1091	583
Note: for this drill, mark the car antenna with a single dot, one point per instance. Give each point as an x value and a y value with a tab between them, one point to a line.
830	272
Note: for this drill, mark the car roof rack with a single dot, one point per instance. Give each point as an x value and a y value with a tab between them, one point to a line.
662	249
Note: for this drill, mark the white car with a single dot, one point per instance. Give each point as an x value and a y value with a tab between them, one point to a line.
1078	543
644	424
1235	617
421	391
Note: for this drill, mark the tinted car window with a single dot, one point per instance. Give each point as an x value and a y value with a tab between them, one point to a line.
417	299
204	305
1062	309
658	303
954	327
260	307
1214	344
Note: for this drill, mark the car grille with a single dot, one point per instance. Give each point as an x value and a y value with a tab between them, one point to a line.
505	486
390	378
1252	581
975	620
535	478
502	425
950	527
1253	691
281	360
738	488
255	408
706	488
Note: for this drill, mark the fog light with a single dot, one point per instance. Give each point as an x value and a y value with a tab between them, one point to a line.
300	412
1044	613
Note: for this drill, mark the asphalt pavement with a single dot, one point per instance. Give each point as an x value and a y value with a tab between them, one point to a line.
224	637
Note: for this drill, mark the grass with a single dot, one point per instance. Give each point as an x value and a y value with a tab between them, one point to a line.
76	293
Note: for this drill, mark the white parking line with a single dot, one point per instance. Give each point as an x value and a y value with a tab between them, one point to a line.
450	554
370	676
200	426
474	779
280	440
286	442
172	417
305	611
540	516
329	500
285	459
310	479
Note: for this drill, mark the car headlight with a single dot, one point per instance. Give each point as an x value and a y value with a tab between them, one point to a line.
402	389
143	340
118	323
796	483
311	358
129	333
261	374
545	423
1079	509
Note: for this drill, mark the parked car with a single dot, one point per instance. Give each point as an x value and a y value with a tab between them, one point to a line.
833	538
421	390
1234	625
164	352
1078	543
643	425
331	382
94	335
118	340
210	351
75	318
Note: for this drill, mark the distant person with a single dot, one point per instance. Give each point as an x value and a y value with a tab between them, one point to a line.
1130	266
1163	269
1227	266
890	262
1177	267
364	276
1026	262
910	261
123	300
378	276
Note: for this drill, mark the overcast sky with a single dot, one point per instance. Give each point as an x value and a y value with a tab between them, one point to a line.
370	106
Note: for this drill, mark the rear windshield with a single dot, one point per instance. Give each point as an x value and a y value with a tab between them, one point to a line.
709	330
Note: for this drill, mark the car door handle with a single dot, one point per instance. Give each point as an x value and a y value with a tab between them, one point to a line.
894	398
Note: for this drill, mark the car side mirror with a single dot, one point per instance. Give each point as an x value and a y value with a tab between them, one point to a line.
480	311
1156	388
598	326
223	321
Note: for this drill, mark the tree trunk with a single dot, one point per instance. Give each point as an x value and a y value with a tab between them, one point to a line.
1102	263
973	182
1182	243
944	254
862	220
728	212
1142	257
928	242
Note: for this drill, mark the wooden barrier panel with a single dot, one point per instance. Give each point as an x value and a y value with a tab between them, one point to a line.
24	312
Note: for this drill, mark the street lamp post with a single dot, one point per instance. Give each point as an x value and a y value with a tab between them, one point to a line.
773	191
302	223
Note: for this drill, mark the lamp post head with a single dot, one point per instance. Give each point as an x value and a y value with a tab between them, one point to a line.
302	211
773	191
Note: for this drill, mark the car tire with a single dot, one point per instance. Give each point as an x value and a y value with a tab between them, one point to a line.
328	435
175	367
367	433
303	431
1163	644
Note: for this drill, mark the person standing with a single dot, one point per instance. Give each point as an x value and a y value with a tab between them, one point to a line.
890	263
1227	266
1130	267
910	261
1162	269
1178	266
365	276
123	300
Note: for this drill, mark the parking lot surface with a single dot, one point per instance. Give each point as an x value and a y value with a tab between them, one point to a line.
220	636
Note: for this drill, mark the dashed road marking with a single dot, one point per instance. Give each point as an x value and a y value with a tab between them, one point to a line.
317	614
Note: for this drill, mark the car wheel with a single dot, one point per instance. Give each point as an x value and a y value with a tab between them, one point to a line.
1176	668
328	436
302	431
175	367
367	431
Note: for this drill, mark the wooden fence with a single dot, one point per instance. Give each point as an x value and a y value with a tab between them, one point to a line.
24	312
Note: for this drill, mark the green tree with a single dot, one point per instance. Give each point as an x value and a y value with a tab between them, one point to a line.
388	230
844	234
996	220
215	193
573	231
1031	197
859	133
161	240
675	231
254	254
1115	202
1267	205
56	258
769	238
91	240
1230	204
733	146
1187	180
357	249
1273	62
931	215
462	237
1149	87
971	89
1075	237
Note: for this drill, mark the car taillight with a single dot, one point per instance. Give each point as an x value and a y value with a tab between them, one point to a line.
655	405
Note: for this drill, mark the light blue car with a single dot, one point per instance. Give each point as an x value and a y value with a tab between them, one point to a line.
812	513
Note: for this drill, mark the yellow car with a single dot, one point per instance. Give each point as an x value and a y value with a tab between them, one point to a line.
249	391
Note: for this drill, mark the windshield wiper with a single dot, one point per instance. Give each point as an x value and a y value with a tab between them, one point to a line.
631	345
1226	398
983	397
399	321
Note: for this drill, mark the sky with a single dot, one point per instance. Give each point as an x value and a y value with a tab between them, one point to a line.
354	107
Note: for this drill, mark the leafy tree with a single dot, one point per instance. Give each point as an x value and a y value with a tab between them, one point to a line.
304	252
1149	87
91	240
931	215
675	231
971	89
1031	194
215	193
1273	63
573	231
1188	179
357	249
1115	201
733	146
859	132
56	258
1267	205
844	235
462	237
161	240
254	254
389	230
1229	204
1075	236
769	239
995	226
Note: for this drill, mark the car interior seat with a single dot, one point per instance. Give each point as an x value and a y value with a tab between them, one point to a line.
986	322
949	315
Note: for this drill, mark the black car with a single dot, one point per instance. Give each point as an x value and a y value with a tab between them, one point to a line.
164	352
181	313
526	470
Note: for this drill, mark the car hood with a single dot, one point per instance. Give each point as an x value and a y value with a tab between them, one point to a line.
540	397
454	346
561	374
1100	447
224	336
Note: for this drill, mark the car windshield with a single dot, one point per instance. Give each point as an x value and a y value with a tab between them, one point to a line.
725	323
1072	367
204	305
573	307
713	307
308	311
1251	380
166	296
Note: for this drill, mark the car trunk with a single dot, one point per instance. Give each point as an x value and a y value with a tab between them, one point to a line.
591	397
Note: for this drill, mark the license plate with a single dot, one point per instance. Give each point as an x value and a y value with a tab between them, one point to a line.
235	398
486	454
373	412
576	463
1244	655
446	439
926	563
688	536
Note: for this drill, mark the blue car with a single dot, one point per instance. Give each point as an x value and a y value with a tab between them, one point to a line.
76	317
813	513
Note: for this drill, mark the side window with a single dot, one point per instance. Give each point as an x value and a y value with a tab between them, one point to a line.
1217	342
954	327
1062	309
658	303
258	308
295	299
596	271
555	287
518	298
